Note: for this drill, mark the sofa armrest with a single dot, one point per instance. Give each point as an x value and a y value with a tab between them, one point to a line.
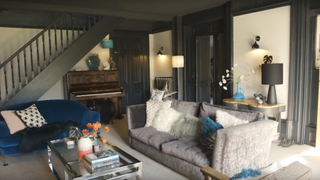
243	146
136	116
4	129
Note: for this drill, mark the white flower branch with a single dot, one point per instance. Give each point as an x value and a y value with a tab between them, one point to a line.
228	78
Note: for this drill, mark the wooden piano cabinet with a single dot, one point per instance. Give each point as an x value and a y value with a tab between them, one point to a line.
85	86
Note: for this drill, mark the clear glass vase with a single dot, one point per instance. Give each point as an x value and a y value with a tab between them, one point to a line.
240	92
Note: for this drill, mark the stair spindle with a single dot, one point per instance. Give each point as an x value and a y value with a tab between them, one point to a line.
55	40
38	58
12	79
83	24
50	46
61	37
44	52
6	82
72	18
67	33
31	60
25	66
19	71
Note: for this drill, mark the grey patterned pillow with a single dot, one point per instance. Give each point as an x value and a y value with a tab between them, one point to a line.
31	116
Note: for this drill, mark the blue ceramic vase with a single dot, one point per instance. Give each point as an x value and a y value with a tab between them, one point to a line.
94	64
239	94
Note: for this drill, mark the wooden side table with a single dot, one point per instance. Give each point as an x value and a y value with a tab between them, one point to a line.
252	104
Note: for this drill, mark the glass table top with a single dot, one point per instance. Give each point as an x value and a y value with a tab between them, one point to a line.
68	155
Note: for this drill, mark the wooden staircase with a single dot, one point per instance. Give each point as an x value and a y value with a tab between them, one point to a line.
44	60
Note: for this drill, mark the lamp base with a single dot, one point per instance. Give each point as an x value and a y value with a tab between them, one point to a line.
272	96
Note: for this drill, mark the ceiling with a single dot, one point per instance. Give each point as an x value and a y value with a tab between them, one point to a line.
161	10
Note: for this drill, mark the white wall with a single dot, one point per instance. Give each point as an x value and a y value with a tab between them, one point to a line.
273	26
160	66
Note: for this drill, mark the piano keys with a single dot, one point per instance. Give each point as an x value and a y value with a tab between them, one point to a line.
85	86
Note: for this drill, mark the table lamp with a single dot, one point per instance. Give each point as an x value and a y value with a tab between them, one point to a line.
272	74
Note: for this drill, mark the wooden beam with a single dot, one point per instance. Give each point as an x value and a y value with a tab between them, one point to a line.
11	4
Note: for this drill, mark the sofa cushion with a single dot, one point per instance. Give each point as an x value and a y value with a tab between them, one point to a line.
152	107
208	132
165	118
185	107
189	151
187	127
32	116
13	121
157	94
227	120
151	136
210	110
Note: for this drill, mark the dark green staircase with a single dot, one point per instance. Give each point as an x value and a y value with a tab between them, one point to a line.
44	60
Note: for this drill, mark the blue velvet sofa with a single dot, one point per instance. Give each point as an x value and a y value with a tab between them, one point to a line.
52	111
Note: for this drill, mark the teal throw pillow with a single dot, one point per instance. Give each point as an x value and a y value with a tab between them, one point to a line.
209	126
208	133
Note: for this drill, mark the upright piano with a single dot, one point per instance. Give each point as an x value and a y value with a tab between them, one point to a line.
88	86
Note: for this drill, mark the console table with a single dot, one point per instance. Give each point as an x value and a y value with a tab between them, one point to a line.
252	104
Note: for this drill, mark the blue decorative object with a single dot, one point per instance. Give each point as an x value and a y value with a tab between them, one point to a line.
246	173
239	94
94	62
107	43
209	126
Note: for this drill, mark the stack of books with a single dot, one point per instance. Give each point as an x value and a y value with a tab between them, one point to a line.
106	158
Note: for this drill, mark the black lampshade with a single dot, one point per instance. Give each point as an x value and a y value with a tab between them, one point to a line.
272	73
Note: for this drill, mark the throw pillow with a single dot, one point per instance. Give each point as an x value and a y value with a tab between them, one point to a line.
227	120
208	132
209	126
152	107
13	121
31	116
165	118
187	127
157	94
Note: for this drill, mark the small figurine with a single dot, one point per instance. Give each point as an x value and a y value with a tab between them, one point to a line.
260	98
112	64
106	66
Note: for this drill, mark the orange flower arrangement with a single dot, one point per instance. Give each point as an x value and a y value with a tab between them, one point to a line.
96	131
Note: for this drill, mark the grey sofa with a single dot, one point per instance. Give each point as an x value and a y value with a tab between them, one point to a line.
238	147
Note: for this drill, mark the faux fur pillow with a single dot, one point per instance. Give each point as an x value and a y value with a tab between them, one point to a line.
227	120
152	109
187	128
165	118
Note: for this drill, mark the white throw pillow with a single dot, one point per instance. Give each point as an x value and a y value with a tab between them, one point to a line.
152	109
13	121
227	120
31	116
165	118
156	94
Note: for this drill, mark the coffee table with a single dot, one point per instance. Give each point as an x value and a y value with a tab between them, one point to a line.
64	163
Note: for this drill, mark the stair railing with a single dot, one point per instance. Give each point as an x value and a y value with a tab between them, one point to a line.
32	58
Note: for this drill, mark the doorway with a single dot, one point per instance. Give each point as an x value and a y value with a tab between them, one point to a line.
210	58
131	55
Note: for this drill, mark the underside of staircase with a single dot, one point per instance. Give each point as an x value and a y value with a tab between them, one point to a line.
33	89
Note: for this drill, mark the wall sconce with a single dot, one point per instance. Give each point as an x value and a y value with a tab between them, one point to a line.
107	44
159	52
255	45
